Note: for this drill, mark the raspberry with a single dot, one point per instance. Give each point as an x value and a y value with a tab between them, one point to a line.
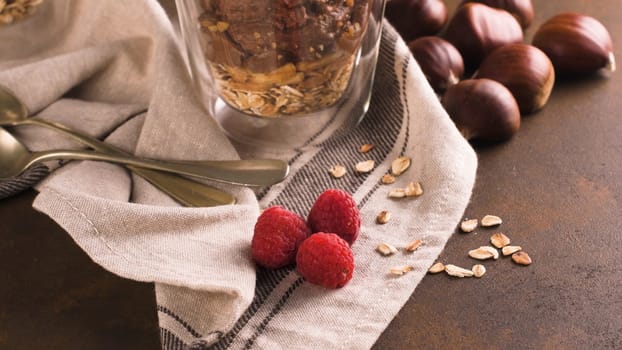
335	211
325	259
277	235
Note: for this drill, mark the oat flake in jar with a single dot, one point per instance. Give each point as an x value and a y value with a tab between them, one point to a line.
261	64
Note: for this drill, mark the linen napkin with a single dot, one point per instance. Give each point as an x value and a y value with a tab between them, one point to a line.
115	71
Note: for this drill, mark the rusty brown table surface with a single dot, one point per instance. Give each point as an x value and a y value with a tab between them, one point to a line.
557	185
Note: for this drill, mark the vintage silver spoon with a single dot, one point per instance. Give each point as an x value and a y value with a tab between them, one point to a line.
15	158
185	191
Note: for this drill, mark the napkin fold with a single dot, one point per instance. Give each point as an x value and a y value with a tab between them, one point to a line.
116	72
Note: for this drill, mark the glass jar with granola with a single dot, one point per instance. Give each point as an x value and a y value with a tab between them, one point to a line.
278	58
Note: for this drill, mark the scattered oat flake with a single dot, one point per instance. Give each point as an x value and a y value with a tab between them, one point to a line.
478	270
366	147
521	258
365	166
483	253
255	101
510	249
383	217
436	268
468	225
400	165
414	245
457	271
401	270
338	171
491	220
387	179
386	249
499	240
222	26
397	193
413	189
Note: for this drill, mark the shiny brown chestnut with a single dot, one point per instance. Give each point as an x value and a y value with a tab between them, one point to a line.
521	9
576	44
477	29
525	70
416	18
482	109
439	60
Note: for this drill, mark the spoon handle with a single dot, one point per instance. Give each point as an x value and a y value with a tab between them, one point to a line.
251	172
185	191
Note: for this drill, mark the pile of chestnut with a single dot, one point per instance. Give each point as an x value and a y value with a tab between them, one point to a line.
510	78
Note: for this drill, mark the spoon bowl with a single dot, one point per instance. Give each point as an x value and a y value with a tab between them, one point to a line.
12	110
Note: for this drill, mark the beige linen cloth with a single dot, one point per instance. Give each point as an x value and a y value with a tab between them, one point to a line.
113	69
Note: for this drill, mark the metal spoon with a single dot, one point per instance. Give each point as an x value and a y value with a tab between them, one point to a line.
15	158
185	191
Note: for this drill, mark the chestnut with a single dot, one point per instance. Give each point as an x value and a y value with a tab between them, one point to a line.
521	9
416	18
576	44
482	109
525	70
439	60
477	29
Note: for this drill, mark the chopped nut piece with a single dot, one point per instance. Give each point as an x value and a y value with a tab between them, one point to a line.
468	225
436	268
400	165
491	220
387	179
222	26
366	148
478	270
510	249
338	171
401	270
15	10
483	253
365	166
414	245
521	258
397	193
456	271
383	217
413	189
499	240
386	249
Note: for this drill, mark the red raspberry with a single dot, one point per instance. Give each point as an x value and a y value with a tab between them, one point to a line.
325	259
335	211
278	233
